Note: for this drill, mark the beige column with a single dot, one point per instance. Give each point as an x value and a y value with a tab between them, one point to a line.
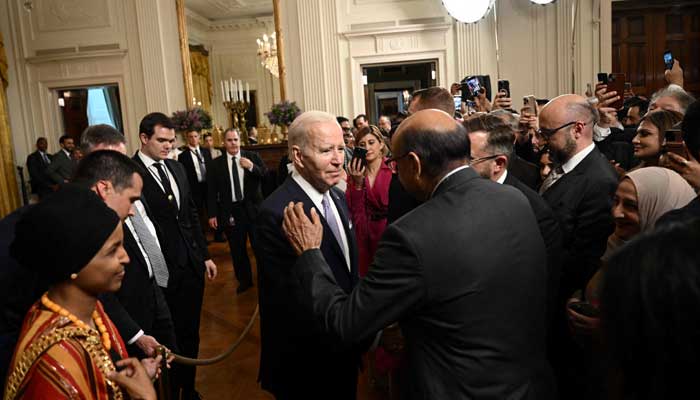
280	49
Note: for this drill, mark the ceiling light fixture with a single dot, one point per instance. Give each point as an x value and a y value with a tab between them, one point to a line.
468	11
543	2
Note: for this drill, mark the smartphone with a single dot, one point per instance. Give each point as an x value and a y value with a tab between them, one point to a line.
674	141
603	77
470	88
531	103
668	59
616	83
504	86
361	154
585	308
458	103
628	86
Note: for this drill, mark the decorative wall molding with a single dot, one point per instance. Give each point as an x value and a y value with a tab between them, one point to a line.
76	56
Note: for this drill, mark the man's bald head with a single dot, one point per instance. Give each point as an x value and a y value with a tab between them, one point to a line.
570	107
436	138
567	124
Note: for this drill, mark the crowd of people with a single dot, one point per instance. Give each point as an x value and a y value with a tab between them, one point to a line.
485	253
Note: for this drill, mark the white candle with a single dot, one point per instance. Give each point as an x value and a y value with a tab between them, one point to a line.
227	91
235	91
230	88
223	92
240	90
247	92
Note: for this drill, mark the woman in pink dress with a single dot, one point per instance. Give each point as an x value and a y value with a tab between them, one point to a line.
368	194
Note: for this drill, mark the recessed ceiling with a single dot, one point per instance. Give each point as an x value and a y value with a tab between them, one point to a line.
215	10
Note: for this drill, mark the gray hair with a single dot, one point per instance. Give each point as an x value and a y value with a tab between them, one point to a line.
508	117
584	109
299	129
683	98
101	134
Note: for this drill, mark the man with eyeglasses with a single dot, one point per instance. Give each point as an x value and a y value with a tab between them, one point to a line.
348	138
580	191
491	142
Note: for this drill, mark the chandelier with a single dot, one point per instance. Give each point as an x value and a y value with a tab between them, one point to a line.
267	53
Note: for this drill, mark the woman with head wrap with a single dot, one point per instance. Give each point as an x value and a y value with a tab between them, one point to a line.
642	197
68	347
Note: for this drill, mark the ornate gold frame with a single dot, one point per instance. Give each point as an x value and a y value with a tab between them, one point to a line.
184	52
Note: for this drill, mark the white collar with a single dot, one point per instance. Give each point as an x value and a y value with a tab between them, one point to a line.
236	156
577	158
599	134
196	148
315	196
148	161
454	171
503	177
66	151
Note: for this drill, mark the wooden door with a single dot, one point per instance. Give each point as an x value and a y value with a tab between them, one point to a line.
643	30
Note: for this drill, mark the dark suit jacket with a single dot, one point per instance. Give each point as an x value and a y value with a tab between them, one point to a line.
38	175
185	158
526	172
219	198
472	311
581	201
133	306
61	168
551	233
183	242
400	201
296	356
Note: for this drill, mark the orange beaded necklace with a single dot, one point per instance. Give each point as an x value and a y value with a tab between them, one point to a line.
106	342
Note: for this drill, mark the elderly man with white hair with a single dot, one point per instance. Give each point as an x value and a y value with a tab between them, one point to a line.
297	359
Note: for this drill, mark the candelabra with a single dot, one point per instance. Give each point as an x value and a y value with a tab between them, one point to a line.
236	112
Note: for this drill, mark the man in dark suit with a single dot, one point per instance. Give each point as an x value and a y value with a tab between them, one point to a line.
298	360
62	164
525	171
37	165
138	308
473	315
491	149
234	198
196	159
168	195
400	201
580	190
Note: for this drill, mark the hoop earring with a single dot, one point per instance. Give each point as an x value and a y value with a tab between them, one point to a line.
74	276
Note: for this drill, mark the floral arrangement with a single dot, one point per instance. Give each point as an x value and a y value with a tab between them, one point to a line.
195	119
283	113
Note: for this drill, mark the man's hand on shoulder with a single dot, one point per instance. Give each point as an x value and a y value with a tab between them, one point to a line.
303	233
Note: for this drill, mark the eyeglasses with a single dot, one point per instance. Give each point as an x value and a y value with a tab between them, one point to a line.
392	161
548	133
481	159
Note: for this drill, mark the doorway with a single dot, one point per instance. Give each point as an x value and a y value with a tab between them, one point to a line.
388	86
80	107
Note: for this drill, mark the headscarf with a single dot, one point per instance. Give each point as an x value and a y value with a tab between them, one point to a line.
60	235
659	190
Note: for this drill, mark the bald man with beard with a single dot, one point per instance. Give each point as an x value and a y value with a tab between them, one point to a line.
472	311
580	191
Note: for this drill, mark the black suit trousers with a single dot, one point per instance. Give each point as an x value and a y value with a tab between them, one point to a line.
185	303
161	328
238	229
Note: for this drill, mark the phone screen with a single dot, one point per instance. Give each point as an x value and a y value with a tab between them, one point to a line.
474	86
668	59
458	103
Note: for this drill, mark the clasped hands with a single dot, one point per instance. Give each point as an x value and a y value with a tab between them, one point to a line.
303	233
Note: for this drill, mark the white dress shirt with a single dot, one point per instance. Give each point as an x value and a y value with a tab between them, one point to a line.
577	158
241	174
139	208
503	177
317	198
195	161
153	170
